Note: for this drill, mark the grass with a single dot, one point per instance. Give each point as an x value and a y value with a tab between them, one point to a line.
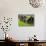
21	23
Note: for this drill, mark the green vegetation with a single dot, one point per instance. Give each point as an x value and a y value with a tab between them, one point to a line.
21	23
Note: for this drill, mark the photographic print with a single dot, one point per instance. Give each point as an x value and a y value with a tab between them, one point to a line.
26	20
